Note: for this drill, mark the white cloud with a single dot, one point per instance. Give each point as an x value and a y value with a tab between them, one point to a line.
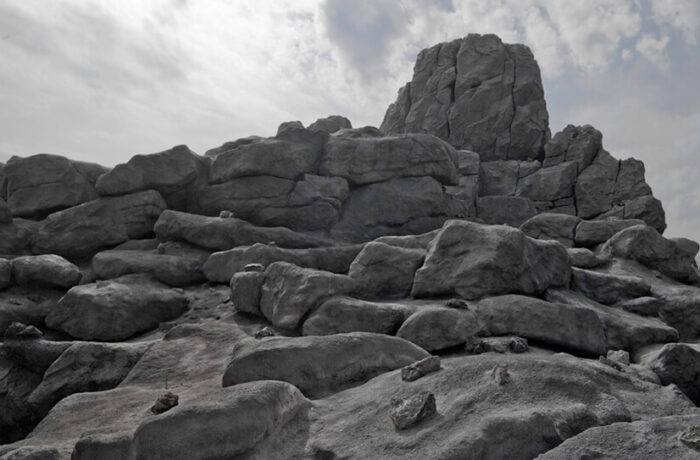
682	15
654	50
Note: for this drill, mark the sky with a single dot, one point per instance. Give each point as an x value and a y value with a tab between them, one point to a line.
104	80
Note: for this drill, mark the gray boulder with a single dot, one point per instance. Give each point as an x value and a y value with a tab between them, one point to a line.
399	206
474	260
5	273
368	160
478	94
549	226
246	290
585	258
566	326
330	124
679	364
225	233
595	186
220	266
290	292
608	288
344	314
663	437
228	424
82	230
645	245
43	183
231	145
319	365
46	270
85	366
5	212
594	232
116	309
169	172
630	182
384	271
575	143
437	328
170	269
294	152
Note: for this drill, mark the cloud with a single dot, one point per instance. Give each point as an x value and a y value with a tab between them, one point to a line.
681	15
654	50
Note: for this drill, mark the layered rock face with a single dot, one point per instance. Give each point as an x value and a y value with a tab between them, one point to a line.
285	297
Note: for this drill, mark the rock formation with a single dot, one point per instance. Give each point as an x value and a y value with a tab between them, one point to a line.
335	292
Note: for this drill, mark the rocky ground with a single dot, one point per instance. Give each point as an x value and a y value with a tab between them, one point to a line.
456	285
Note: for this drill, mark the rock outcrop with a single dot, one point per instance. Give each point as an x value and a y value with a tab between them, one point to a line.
281	297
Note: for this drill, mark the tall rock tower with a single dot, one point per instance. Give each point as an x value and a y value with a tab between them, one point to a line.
478	94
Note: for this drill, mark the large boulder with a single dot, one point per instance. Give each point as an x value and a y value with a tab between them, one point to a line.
116	309
81	230
679	364
609	288
290	292
474	260
225	233
663	437
169	269
595	186
16	237
169	172
230	423
436	328
46	270
645	245
478	94
85	366
580	144
330	124
498	177
567	326
399	206
43	183
344	314
594	232
18	306
367	160
319	365
246	288
220	266
384	271
293	152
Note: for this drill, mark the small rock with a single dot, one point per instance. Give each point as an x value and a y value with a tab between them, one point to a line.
620	356
614	364
514	344
254	268
267	331
500	374
165	403
22	331
226	214
408	412
420	368
457	303
691	437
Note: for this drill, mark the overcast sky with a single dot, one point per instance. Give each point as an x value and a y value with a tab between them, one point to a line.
104	80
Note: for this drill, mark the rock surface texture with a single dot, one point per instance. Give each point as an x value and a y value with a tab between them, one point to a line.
457	285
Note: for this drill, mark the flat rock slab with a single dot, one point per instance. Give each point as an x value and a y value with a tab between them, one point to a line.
549	398
219	234
82	230
608	288
220	266
571	327
664	437
169	269
46	270
116	309
319	365
344	314
474	260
